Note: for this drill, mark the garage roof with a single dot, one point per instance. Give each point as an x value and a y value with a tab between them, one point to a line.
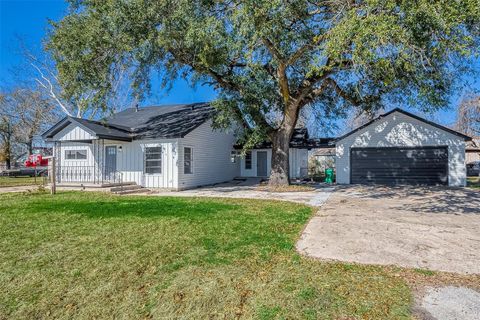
461	135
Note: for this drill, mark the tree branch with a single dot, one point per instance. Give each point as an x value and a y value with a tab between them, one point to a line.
281	71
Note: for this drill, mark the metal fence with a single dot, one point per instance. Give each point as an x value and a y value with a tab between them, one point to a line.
88	174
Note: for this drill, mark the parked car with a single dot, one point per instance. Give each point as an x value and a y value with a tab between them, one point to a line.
473	168
25	172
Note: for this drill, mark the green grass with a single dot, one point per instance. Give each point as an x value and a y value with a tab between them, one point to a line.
20	181
473	182
87	255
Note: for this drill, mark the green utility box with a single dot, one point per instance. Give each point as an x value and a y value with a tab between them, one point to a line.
329	175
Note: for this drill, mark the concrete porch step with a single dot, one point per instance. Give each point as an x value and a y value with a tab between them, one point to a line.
88	185
128	187
132	191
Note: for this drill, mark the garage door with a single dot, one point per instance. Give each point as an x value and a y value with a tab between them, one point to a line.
418	166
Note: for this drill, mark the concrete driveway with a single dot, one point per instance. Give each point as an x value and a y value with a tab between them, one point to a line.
248	189
431	228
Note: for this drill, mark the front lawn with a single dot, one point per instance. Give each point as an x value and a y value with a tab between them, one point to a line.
88	255
19	181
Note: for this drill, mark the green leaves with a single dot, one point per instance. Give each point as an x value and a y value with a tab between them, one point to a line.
379	51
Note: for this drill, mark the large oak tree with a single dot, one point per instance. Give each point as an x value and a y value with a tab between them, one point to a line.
271	59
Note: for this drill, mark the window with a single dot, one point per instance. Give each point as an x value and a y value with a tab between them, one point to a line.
233	156
248	160
153	160
187	160
75	154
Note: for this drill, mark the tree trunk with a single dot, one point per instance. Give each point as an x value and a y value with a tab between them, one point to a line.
30	145
8	154
280	155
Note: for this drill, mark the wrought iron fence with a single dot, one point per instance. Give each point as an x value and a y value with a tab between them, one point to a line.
88	174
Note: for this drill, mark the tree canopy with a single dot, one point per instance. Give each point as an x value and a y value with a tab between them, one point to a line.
269	59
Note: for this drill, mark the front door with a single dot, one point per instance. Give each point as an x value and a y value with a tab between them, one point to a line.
262	163
110	162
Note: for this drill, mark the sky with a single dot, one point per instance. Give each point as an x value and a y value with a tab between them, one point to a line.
28	19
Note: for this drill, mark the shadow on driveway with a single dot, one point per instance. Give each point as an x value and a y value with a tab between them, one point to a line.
421	199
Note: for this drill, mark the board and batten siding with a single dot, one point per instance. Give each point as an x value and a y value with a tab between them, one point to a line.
130	157
90	161
131	163
74	132
211	150
400	130
298	162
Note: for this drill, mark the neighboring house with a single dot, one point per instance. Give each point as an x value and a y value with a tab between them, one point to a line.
473	150
401	148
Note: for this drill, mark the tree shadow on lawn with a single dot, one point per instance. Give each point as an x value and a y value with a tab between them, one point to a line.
143	207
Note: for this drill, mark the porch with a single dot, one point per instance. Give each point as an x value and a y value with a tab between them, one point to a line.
87	163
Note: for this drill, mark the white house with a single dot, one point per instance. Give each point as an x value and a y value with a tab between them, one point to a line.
175	147
257	162
171	147
401	148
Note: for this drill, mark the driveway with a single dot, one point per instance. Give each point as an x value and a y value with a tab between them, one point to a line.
430	228
248	189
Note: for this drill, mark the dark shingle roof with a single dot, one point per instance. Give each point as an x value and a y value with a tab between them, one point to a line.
169	121
300	140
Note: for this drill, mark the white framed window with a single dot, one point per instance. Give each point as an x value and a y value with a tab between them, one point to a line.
233	156
187	160
80	154
248	160
153	160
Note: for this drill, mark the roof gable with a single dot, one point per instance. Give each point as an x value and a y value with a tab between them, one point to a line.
408	114
172	121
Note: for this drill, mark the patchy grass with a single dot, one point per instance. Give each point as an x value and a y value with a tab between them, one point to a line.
89	255
19	181
288	188
473	182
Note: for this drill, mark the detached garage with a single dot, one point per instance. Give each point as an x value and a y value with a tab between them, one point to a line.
401	148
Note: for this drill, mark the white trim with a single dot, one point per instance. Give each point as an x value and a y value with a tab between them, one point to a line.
192	160
162	153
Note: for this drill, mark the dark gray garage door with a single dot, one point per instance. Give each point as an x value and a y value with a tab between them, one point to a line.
418	166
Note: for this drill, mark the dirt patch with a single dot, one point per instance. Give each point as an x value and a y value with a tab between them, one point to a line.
427	228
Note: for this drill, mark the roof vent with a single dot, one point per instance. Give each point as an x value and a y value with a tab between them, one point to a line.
136	107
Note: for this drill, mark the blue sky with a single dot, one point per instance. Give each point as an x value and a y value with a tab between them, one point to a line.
29	20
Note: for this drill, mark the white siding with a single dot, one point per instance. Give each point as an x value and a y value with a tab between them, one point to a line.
77	146
75	170
130	162
396	130
73	132
211	157
298	162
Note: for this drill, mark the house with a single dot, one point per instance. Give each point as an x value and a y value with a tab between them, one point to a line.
473	150
257	162
401	148
171	146
175	147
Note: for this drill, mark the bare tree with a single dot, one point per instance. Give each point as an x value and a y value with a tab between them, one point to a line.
39	70
33	114
358	117
468	115
24	114
6	132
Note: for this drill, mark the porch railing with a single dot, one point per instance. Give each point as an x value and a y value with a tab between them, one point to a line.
88	174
